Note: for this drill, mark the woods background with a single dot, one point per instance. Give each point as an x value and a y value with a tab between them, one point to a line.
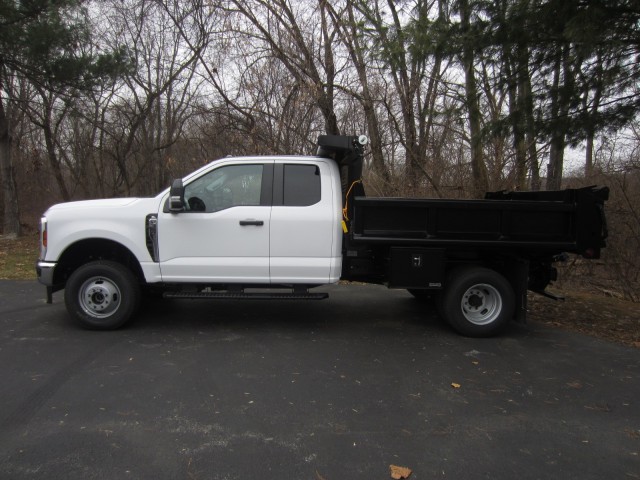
117	97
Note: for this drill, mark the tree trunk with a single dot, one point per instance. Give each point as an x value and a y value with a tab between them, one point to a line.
521	105
556	161
53	160
534	164
373	127
588	163
516	111
478	167
11	221
561	102
556	147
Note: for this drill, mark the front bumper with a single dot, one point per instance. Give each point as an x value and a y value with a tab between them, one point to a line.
45	270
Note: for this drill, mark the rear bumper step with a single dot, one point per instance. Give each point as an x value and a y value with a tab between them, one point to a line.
247	295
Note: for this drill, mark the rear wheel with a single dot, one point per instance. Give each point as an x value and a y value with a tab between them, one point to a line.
102	295
477	302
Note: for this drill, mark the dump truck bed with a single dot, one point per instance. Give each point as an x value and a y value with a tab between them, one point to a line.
570	220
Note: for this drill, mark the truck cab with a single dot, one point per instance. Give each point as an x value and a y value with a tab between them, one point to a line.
253	220
237	223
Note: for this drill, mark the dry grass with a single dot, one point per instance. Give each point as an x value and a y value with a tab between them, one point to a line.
18	258
591	312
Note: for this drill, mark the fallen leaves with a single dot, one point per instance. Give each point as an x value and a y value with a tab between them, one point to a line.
598	407
586	312
398	473
455	385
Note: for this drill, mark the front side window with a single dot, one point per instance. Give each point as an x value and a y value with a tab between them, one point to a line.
225	187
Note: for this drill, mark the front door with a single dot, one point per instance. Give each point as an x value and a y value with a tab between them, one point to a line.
223	235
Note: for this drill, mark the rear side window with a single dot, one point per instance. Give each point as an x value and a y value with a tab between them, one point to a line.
301	185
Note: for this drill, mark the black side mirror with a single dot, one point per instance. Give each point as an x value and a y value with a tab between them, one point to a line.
176	196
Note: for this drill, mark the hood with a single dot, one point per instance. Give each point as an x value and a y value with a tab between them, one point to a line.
103	203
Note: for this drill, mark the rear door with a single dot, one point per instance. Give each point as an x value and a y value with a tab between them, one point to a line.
304	221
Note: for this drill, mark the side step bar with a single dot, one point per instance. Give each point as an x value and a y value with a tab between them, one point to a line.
247	296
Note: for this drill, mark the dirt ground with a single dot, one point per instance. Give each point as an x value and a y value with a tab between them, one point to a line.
588	311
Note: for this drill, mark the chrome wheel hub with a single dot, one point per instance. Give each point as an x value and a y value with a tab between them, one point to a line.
99	297
481	304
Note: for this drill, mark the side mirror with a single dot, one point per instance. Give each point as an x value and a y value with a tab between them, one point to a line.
176	196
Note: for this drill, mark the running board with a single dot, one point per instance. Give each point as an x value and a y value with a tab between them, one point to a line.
247	296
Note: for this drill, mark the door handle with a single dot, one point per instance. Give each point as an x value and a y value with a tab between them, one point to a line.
257	223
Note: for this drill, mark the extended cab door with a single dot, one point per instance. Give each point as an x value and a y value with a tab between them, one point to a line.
223	235
306	236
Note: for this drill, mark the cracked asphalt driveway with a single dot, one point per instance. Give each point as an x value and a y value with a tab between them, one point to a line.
336	389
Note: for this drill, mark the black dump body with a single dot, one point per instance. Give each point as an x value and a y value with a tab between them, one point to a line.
532	223
416	243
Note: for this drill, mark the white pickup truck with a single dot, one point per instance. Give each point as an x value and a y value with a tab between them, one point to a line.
275	226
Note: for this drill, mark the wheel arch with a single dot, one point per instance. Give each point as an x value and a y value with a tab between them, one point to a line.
87	250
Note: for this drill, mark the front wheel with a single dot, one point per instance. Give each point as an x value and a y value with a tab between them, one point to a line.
102	295
477	302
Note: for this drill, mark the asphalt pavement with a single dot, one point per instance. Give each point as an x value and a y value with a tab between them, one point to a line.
322	390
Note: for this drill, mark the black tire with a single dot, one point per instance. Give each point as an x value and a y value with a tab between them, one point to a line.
477	302
102	295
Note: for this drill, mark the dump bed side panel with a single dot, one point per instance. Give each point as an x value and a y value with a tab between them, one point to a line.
567	221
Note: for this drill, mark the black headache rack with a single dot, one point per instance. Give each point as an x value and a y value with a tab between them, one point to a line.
347	151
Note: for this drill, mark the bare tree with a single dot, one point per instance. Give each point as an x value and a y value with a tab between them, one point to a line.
292	35
11	211
346	27
150	108
416	77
